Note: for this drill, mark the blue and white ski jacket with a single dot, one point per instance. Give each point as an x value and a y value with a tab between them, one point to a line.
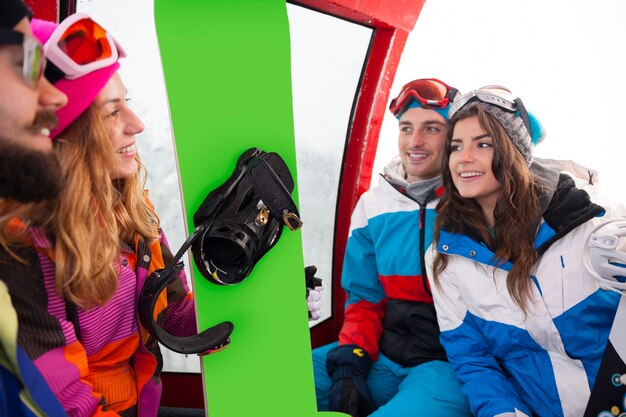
389	306
540	364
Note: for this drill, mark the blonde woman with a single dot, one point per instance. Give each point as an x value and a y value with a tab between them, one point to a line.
83	259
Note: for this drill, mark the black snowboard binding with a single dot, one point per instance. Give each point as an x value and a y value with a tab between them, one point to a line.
236	224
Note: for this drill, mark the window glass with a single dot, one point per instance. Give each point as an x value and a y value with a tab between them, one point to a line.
327	58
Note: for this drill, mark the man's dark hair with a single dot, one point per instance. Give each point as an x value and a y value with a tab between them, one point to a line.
11	12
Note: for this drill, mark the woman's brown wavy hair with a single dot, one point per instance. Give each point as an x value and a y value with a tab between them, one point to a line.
94	212
517	212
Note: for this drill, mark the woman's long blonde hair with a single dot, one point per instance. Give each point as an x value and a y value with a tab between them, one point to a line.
517	212
94	212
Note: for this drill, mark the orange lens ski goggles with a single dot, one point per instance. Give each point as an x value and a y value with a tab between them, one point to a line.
79	45
430	93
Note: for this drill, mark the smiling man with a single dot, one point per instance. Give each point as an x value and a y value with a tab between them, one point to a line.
29	173
28	170
420	142
388	361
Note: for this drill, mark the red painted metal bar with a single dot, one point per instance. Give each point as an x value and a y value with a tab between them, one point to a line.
392	21
54	10
44	9
371	104
381	14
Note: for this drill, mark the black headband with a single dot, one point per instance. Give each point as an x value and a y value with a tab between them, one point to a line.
11	37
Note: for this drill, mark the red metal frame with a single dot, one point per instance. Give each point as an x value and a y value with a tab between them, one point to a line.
392	21
44	9
389	14
54	10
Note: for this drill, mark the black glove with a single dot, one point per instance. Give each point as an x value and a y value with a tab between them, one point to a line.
348	366
311	280
313	292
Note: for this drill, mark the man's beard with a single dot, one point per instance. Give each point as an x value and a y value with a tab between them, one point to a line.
27	175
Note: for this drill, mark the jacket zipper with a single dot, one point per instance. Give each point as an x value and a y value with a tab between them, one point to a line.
422	222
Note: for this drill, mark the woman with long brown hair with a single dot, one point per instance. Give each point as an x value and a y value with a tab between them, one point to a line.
86	255
522	321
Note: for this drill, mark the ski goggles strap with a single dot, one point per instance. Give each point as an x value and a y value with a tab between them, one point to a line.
78	46
496	95
430	93
34	62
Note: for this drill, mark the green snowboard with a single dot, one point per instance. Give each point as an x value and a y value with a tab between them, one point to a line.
227	72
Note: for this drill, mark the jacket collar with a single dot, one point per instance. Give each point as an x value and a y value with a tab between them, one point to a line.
395	175
461	245
569	208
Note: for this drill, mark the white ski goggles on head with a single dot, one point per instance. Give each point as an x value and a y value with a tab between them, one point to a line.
496	95
79	45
